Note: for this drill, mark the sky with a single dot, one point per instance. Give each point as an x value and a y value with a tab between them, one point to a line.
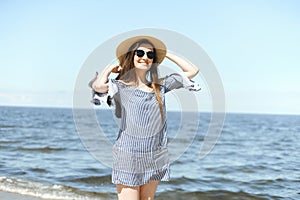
253	44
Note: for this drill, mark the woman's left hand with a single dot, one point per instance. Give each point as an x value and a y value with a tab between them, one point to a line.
188	68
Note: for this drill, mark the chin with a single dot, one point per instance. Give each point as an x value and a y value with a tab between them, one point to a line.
145	67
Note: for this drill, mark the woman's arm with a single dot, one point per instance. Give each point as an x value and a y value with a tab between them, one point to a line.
189	69
100	84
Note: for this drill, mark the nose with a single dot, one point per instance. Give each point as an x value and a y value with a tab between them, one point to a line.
145	56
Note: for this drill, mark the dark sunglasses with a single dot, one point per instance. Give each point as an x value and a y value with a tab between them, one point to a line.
140	53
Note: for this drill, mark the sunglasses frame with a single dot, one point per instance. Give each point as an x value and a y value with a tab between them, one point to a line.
142	53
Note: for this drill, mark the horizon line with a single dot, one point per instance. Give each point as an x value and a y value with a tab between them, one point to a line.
203	111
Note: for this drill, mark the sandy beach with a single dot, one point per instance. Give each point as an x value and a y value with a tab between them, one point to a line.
14	196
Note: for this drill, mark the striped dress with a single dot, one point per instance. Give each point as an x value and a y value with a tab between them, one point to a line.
140	151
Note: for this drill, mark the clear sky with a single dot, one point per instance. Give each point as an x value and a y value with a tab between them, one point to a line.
254	45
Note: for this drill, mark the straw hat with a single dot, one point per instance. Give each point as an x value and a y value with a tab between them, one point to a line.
159	46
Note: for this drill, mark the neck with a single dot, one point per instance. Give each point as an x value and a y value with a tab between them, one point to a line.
141	77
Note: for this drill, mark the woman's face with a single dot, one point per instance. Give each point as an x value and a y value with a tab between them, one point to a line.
143	56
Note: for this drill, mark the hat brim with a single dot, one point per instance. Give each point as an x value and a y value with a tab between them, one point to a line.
159	46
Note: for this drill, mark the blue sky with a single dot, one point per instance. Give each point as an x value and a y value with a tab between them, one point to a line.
254	45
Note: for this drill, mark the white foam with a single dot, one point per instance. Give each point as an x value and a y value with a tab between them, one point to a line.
41	190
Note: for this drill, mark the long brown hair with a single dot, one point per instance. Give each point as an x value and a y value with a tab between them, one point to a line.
127	74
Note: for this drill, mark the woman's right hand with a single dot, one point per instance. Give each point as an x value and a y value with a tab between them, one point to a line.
101	83
116	69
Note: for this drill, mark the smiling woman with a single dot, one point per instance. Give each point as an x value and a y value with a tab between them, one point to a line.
140	154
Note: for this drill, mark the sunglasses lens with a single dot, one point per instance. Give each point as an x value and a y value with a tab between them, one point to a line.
150	54
140	53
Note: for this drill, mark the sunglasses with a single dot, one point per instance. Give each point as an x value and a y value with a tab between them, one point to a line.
140	53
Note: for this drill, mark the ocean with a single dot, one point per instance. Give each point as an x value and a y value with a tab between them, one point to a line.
256	157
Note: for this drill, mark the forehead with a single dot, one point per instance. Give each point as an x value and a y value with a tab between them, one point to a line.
145	46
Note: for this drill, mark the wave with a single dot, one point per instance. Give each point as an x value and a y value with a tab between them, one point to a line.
4	147
41	149
9	142
8	126
182	180
61	192
99	180
210	195
48	191
39	170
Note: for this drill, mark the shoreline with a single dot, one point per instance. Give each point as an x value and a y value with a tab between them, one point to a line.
16	196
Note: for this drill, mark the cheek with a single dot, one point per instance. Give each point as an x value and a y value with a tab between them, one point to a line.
150	62
135	60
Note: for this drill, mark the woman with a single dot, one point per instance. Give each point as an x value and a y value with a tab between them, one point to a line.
140	157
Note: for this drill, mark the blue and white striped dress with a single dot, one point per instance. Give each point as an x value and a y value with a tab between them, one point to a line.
140	151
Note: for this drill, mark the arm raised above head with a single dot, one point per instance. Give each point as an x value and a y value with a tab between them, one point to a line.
101	83
188	68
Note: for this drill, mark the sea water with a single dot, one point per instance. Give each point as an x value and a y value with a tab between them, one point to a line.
256	157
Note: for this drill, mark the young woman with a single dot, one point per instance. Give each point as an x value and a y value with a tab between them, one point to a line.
140	156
